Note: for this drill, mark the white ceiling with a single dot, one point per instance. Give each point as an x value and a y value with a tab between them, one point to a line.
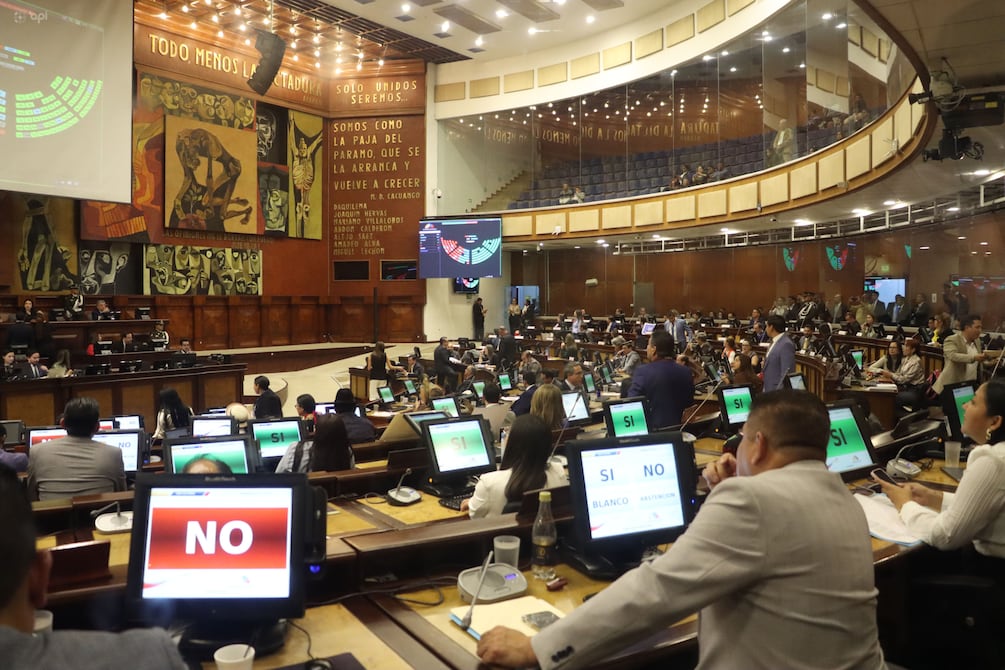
512	37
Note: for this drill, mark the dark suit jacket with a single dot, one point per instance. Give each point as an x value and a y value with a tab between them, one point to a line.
441	361
522	404
268	405
667	386
508	350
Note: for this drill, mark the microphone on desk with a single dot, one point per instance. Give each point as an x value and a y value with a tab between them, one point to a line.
400	495
117	522
466	621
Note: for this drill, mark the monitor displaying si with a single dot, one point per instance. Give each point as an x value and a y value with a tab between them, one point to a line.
795	380
459	448
577	408
460	247
954	397
132	444
605	373
627	416
648	328
129	422
448	405
214	425
589	383
227	554
236	453
275	435
734	405
410	388
386	395
850	450
479	388
39	434
505	384
628	494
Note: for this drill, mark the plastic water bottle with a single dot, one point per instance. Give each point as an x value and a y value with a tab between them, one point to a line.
544	537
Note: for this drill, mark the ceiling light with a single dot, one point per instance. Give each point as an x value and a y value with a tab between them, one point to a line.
317	39
724	230
724	53
962	237
982	172
984	244
889	203
445	26
860	212
827	16
215	18
786	50
706	58
237	10
590	18
192	25
532	30
406	8
184	8
732	69
803	222
600	241
841	26
163	15
501	13
924	248
479	41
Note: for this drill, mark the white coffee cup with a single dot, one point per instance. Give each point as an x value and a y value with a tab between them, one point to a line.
234	657
43	621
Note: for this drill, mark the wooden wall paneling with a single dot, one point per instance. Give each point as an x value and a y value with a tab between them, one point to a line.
34	408
109	397
399	318
211	323
306	316
179	312
136	399
275	321
355	320
218	391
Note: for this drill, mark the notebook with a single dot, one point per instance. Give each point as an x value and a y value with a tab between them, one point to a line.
507	613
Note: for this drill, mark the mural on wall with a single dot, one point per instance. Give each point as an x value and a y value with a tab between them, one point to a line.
306	156
139	221
207	180
190	270
273	172
109	268
47	253
194	102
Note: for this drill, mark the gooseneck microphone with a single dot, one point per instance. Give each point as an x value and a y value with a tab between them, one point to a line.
466	621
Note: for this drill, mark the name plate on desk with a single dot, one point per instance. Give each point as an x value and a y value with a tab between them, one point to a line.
79	563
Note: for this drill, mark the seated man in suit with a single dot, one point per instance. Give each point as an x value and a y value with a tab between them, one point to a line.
766	597
522	404
415	369
101	311
32	367
76	464
24	582
126	344
499	414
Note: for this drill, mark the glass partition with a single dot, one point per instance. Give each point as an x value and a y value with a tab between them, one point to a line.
811	75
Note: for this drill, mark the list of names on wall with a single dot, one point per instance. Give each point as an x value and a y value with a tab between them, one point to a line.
376	186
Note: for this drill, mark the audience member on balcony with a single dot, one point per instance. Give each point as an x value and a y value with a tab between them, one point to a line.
721	172
699	177
783	147
566	194
684	176
578	196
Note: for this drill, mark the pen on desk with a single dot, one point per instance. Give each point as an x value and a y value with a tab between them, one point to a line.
466	621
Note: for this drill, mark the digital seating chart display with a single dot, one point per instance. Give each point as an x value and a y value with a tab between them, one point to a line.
629	418
218	543
632	490
458	445
451	248
847	449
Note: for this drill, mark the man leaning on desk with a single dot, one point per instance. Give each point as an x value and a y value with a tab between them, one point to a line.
778	561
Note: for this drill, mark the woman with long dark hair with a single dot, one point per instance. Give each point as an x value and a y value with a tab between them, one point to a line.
525	467
328	450
173	413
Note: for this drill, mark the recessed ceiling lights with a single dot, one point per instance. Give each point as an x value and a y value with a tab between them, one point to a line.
479	41
889	203
924	248
445	26
786	50
707	58
732	69
532	30
501	13
827	16
406	8
724	53
984	244
590	18
962	237
860	212
841	26
803	222
953	209
600	241
724	230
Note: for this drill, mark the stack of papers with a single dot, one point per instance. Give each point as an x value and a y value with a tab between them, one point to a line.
884	520
507	613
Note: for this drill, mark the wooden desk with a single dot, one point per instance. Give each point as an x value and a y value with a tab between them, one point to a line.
37	402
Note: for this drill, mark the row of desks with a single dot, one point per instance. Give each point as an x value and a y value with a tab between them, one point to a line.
369	540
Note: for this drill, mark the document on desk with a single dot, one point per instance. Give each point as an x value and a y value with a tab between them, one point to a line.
507	613
884	520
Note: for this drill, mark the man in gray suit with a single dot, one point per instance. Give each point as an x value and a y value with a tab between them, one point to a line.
781	357
75	465
962	354
778	583
23	586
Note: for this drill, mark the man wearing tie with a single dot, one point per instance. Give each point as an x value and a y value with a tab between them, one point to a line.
33	368
900	311
781	357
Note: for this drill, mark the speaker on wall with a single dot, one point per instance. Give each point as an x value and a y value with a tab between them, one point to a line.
272	48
